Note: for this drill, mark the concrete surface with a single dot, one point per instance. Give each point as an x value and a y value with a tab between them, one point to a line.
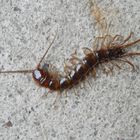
109	110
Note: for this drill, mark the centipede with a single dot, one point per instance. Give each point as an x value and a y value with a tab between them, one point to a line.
109	51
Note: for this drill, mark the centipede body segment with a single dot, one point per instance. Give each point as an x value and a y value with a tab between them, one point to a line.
91	60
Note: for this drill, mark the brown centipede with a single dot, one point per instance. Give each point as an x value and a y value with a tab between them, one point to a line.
92	59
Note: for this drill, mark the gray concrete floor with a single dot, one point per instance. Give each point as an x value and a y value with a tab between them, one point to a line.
109	110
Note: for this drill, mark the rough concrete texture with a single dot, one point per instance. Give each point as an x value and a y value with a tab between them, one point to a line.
108	110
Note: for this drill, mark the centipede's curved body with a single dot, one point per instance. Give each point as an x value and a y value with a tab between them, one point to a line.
91	60
46	79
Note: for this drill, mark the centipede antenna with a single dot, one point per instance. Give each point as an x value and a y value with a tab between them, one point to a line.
46	51
17	71
131	54
130	44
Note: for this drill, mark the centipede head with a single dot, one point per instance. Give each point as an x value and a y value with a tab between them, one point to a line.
41	75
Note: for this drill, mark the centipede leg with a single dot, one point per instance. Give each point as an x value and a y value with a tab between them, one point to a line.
86	51
99	17
101	42
116	38
57	97
46	95
67	67
131	54
98	43
113	63
94	73
107	41
66	93
130	35
128	62
75	93
81	85
74	53
105	69
110	70
130	44
102	67
74	60
89	83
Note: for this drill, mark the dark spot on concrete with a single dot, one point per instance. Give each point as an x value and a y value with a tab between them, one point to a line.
17	9
20	91
10	95
36	26
77	102
72	138
95	132
43	33
8	124
133	77
53	133
32	109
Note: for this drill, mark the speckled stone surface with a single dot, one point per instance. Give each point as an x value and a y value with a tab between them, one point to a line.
108	110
